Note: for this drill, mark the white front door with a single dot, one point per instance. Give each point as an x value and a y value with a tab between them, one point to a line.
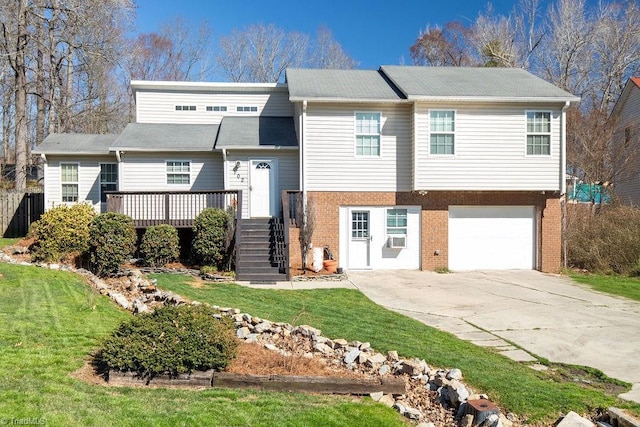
360	239
261	188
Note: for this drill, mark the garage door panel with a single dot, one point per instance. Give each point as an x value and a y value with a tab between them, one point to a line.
491	238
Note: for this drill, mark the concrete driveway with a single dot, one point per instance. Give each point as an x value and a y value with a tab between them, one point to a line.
544	315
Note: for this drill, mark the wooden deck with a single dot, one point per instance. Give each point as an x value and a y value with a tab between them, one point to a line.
176	208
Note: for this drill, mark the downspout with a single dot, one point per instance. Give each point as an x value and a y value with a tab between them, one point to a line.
303	120
563	183
563	145
119	159
224	168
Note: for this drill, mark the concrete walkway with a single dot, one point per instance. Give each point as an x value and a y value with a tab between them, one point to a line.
522	314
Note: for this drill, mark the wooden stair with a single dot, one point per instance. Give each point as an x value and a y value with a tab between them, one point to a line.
261	248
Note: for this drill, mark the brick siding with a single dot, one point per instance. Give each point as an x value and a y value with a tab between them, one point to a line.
435	220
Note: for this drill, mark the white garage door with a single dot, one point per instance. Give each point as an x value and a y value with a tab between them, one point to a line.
491	237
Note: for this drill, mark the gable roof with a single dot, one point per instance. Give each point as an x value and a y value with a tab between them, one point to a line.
256	132
166	137
473	84
632	84
75	143
328	85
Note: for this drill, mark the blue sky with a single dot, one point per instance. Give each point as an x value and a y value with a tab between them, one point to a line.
373	32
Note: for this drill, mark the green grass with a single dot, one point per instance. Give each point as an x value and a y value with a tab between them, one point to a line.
628	287
6	242
344	313
50	321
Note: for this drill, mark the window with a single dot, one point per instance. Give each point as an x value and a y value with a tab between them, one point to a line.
396	221
538	133
185	108
69	181
442	125
367	134
108	179
216	108
360	225
178	172
246	109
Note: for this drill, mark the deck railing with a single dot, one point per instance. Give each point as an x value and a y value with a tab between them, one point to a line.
176	208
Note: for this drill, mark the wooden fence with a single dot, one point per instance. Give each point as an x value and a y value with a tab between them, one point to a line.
18	211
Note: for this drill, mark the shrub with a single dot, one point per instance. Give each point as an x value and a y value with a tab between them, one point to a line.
113	241
171	340
210	237
160	245
62	231
606	240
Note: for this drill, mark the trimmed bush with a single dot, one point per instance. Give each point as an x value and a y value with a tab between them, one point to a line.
62	231
171	340
605	240
160	245
113	241
210	237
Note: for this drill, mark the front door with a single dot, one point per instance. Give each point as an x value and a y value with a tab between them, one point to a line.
360	240
261	191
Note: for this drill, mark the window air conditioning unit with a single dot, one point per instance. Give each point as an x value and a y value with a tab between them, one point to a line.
397	241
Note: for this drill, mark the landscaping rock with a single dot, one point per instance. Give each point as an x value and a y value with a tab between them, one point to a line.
376	360
392	356
384	370
387	400
351	356
376	396
412	413
262	327
120	299
323	348
454	374
574	420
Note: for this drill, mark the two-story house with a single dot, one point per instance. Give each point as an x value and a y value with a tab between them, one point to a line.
626	118
408	167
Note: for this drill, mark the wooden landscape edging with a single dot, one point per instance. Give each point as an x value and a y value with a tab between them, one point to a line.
307	384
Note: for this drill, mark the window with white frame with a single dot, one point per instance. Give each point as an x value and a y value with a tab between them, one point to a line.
396	221
185	108
246	109
442	126
108	179
367	134
216	108
178	172
538	133
69	182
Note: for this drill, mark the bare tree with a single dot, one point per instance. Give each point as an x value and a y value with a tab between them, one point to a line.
261	53
442	46
14	44
306	214
173	53
328	53
506	40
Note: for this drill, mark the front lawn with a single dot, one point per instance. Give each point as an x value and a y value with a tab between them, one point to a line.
51	321
345	313
623	286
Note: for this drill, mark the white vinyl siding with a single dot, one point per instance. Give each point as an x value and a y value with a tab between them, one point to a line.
148	171
238	177
627	180
69	182
489	152
159	106
331	163
178	172
367	134
442	132
538	133
87	184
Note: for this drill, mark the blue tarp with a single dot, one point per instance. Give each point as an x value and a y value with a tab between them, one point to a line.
588	193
